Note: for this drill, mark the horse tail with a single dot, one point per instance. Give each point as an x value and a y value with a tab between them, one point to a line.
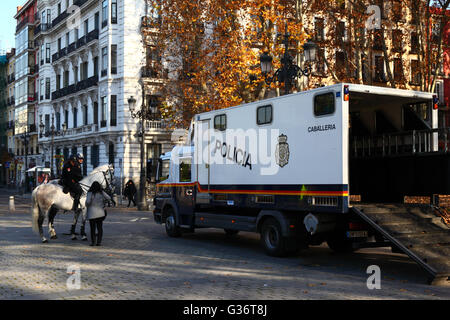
35	211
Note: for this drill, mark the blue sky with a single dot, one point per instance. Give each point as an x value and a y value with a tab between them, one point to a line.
8	23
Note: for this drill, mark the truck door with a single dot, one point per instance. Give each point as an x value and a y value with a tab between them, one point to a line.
203	153
185	193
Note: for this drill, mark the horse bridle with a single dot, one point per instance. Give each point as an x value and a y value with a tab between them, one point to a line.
109	189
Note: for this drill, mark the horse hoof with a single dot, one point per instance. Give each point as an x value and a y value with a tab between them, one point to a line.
53	237
84	238
44	240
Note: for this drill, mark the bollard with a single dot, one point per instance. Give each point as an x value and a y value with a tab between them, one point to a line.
115	199
12	207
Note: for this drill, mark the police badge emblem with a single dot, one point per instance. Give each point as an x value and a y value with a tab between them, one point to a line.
282	151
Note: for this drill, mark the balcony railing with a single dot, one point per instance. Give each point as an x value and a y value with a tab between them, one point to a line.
55	57
59	18
92	35
74	88
72	47
11	78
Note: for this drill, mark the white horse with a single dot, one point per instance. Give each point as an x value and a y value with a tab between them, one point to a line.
48	198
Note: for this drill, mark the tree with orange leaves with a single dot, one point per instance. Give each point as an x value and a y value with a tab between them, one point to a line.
211	50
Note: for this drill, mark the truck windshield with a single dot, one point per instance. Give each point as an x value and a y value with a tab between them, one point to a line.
165	169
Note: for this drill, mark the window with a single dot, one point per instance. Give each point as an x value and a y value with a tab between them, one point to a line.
75	117
59	44
398	69
58	81
324	104
47	88
96	66
42	90
104	61
42	54
397	45
114	59
58	122
66	78
111	153
59	9
86	27
415	72
340	64
319	29
414	43
379	69
66	117
340	33
220	122
185	170
113	11
85	115
113	112
264	115
67	39
104	13
104	101
96	21
95	155
96	112
47	53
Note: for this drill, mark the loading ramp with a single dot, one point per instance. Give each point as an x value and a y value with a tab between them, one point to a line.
415	230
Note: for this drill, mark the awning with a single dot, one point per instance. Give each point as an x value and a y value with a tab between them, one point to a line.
39	169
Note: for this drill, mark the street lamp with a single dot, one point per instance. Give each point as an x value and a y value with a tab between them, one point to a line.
146	112
288	71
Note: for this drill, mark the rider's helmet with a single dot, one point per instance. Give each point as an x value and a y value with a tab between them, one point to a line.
80	156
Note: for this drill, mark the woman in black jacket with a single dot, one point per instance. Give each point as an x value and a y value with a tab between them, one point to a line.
130	192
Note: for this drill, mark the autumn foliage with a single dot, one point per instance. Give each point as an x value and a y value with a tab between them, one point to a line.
211	50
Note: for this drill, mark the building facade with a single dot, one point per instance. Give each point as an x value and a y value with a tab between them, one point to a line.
25	107
91	60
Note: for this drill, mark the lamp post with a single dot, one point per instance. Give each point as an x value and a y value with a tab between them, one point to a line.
146	112
288	71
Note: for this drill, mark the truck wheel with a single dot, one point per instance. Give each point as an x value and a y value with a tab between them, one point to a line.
272	238
338	242
172	229
231	232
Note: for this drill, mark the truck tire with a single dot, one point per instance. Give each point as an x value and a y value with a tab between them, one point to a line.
231	232
172	229
338	242
272	238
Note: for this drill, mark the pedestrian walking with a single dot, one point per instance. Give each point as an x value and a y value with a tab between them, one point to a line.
95	202
130	192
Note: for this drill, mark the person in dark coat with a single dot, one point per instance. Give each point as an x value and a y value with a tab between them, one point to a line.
130	192
71	176
95	203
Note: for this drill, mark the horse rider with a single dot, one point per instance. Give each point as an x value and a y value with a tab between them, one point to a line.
71	177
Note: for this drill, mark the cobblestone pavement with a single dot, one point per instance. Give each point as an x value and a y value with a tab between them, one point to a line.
138	261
